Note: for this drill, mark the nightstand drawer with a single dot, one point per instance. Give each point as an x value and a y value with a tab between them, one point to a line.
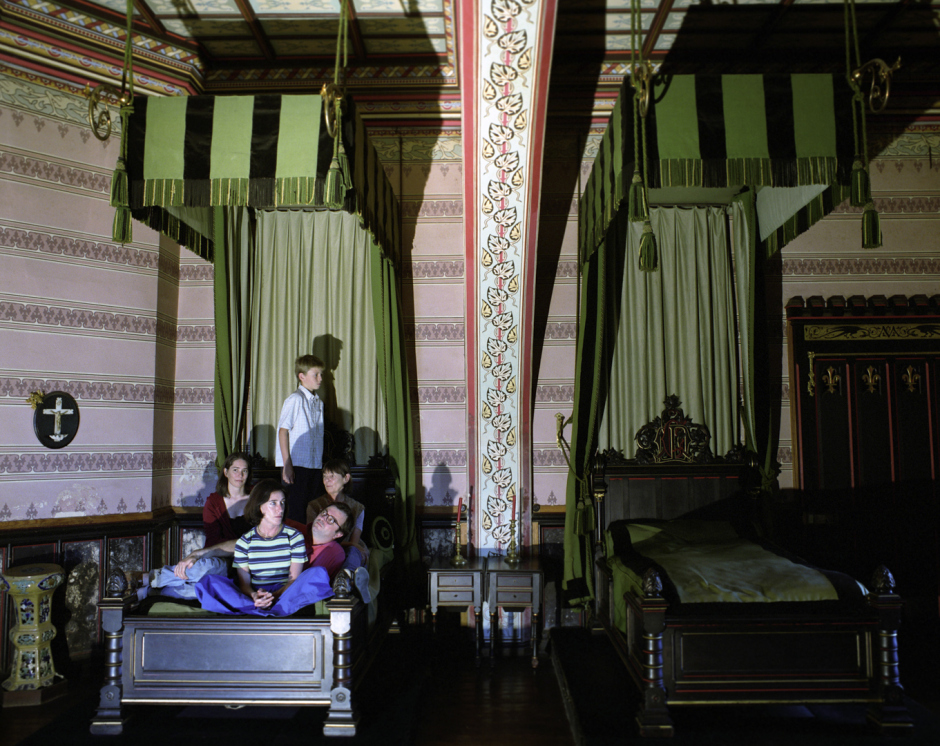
451	597
454	581
513	598
513	581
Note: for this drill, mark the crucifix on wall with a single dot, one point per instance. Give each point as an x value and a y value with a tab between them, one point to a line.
56	419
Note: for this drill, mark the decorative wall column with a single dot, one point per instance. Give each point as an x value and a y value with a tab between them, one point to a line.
505	59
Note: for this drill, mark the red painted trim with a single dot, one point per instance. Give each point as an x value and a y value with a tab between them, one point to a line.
799	425
464	31
116	62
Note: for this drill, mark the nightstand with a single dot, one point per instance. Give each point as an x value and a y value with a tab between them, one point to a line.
514	589
458	587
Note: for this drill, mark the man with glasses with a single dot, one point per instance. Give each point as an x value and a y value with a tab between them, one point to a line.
325	535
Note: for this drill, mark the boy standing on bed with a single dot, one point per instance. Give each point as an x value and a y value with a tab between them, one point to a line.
300	438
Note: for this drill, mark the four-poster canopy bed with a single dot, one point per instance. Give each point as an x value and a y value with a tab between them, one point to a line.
303	231
657	319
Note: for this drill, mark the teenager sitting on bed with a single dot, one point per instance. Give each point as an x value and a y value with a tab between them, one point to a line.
336	476
270	558
223	519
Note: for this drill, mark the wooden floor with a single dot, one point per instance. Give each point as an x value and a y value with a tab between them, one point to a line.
462	703
507	703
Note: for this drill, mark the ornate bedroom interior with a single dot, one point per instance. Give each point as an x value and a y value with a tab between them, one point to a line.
129	331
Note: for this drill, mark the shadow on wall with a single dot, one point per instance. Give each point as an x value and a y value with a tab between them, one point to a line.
197	481
440	492
330	350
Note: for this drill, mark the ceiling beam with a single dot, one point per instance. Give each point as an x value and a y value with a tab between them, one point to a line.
656	27
252	20
148	15
355	35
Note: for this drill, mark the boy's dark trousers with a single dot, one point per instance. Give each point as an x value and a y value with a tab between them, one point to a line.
308	484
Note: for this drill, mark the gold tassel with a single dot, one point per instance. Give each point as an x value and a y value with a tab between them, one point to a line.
871	227
649	260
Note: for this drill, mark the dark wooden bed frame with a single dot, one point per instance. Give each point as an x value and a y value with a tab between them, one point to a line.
233	661
239	661
704	659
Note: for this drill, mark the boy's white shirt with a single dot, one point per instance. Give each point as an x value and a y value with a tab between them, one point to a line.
302	417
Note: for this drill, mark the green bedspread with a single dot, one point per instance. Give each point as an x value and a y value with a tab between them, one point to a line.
707	562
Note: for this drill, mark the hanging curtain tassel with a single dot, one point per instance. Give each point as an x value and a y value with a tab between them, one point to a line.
871	227
122	231
119	189
649	260
334	193
861	184
637	204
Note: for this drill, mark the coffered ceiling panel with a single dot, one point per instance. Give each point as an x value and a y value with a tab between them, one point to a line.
279	44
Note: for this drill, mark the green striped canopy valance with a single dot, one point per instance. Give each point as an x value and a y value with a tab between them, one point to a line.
789	136
190	153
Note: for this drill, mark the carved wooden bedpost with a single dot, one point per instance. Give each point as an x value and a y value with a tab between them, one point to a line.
342	717
889	713
109	719
653	715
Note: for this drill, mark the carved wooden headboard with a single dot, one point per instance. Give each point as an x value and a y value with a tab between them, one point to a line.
674	471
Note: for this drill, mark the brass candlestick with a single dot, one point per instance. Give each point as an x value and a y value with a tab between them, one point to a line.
458	560
512	556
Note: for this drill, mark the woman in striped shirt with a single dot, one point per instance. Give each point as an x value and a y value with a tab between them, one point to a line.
270	556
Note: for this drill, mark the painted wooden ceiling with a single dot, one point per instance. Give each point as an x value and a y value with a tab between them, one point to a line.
282	44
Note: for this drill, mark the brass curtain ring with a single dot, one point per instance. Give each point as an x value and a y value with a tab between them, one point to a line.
880	76
643	84
100	119
330	93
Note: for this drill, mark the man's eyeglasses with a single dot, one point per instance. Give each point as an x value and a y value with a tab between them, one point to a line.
329	518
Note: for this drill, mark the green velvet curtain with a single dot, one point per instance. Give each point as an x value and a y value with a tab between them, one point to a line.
232	293
311	294
601	277
676	331
294	282
393	376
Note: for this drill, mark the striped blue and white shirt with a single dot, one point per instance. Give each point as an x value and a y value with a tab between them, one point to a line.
268	561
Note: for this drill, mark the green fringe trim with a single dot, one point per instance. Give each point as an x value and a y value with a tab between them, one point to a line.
649	260
122	231
261	193
861	185
871	227
638	208
164	193
693	172
299	190
820	206
228	192
163	222
119	190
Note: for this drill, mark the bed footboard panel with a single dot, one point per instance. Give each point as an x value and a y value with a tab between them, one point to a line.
237	661
768	662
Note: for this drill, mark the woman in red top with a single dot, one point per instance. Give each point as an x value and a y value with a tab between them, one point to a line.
223	514
223	519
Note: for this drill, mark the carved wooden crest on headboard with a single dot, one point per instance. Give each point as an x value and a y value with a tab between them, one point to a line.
673	437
